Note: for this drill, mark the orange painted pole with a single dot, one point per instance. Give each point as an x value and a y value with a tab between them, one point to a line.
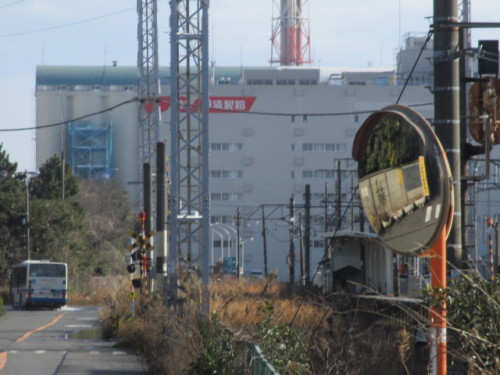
438	314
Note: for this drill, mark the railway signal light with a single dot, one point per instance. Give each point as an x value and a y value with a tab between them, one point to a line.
137	283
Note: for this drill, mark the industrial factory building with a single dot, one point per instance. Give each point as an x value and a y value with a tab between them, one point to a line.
272	131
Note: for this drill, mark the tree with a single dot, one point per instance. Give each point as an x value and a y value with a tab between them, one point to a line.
49	184
108	220
12	213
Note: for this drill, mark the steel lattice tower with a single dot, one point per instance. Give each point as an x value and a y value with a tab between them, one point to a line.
188	199
290	34
149	84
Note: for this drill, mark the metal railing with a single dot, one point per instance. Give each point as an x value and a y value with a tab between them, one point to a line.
255	363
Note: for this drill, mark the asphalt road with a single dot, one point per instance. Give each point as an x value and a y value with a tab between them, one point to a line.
43	342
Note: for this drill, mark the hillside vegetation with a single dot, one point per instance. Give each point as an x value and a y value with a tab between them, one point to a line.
84	223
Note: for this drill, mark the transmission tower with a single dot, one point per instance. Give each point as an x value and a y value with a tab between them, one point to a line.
188	199
290	34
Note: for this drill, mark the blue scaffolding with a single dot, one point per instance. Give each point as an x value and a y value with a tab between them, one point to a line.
89	149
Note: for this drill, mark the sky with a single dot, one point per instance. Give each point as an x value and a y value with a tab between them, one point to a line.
97	32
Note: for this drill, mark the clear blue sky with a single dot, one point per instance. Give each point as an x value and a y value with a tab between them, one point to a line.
96	32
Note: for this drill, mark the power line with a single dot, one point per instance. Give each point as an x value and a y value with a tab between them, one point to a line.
235	112
13	3
135	99
325	114
65	25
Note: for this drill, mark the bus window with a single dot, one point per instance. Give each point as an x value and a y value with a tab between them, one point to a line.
47	270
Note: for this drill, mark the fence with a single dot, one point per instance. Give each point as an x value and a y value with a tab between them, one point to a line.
255	363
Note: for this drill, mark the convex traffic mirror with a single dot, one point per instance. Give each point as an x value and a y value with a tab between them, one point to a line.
404	179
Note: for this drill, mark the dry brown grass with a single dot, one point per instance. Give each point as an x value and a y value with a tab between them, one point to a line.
99	289
170	340
240	305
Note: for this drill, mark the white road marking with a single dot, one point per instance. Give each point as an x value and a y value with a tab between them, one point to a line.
78	326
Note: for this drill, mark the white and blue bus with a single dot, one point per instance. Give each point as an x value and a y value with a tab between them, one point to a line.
39	283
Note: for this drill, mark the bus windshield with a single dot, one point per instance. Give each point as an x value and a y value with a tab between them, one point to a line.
47	270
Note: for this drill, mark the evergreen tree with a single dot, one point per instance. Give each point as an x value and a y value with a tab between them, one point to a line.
49	184
12	213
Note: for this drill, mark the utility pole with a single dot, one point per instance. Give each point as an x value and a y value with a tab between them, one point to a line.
447	109
447	125
338	205
307	235
264	239
238	241
291	255
325	201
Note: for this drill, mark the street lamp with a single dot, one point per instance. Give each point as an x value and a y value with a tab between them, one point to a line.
222	225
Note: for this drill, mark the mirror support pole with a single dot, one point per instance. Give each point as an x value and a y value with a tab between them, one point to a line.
438	312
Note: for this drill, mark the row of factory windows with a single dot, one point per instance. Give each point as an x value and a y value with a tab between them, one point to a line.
306	147
281	82
318	173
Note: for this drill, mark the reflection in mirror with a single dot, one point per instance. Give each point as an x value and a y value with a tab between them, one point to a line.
392	143
393	180
404	179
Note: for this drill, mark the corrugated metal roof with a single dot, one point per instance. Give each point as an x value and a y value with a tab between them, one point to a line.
112	75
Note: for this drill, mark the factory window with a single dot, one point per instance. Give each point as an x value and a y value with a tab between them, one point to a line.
225	196
318	244
292	174
230	174
226	147
292	147
324	147
319	173
223	219
357	83
308	82
285	82
260	82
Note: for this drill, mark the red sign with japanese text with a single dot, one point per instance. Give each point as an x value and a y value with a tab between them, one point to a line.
216	104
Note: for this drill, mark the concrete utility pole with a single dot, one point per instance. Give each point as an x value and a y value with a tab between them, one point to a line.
447	108
447	125
291	254
238	242
264	239
307	236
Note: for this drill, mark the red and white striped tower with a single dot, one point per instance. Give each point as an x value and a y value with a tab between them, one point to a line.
290	34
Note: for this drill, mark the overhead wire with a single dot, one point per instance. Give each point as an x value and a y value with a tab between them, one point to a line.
429	35
132	100
64	25
11	4
235	112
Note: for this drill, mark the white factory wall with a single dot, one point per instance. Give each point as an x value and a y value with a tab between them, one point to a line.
271	160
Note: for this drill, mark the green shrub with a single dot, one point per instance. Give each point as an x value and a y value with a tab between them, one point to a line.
282	345
219	351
